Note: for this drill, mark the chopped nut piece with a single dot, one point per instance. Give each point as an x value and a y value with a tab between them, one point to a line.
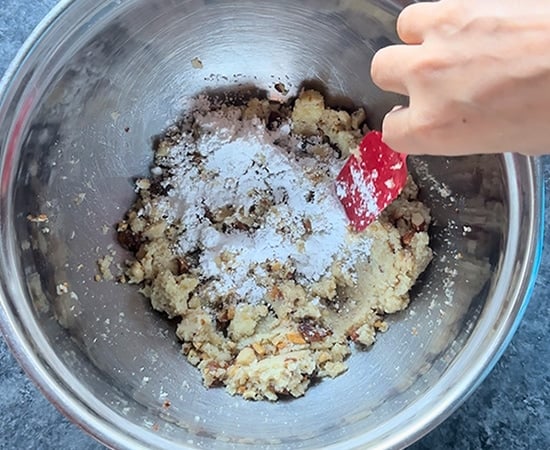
381	326
104	266
258	348
143	183
296	338
197	63
275	293
357	119
324	357
40	218
62	288
231	313
246	356
280	345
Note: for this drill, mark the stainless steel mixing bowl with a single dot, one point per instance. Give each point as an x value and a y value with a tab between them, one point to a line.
78	109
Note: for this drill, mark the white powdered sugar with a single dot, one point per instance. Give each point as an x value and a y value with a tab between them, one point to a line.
233	167
364	192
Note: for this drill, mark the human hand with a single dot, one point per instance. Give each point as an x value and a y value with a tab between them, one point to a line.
477	74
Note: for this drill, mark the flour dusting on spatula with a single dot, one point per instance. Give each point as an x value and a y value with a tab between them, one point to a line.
370	180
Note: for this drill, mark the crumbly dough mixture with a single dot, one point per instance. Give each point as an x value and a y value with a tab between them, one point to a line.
238	234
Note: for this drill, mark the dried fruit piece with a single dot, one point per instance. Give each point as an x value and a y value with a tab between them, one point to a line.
307	225
312	331
407	238
129	240
182	266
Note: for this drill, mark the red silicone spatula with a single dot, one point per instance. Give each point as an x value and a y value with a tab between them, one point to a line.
370	180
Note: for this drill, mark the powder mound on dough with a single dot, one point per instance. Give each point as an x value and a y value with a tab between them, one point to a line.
238	234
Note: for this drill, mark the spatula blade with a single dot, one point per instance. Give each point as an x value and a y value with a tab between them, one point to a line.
370	180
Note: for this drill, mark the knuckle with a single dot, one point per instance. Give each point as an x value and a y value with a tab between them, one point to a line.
424	124
431	65
442	18
430	125
483	24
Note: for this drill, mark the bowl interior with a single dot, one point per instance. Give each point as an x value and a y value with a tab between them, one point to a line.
107	77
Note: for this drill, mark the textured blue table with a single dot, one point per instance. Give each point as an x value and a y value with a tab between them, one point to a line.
511	409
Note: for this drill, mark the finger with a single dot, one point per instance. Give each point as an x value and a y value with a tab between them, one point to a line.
414	20
396	130
388	68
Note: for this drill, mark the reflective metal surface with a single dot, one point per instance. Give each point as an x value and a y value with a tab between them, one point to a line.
78	110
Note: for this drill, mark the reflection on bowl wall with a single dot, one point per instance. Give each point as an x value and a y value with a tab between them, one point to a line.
78	113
